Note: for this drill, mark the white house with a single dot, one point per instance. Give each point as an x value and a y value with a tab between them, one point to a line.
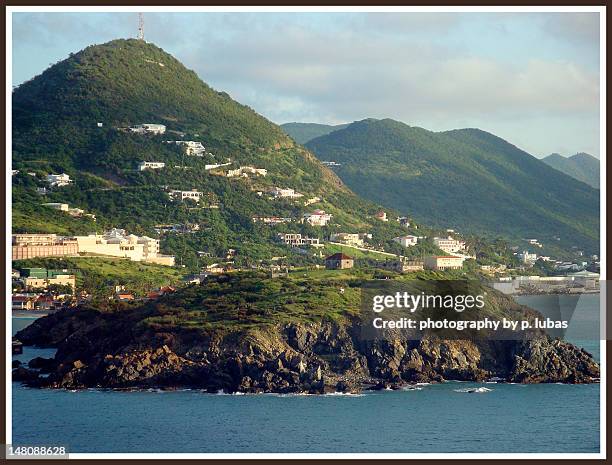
297	240
244	171
317	218
527	258
192	147
216	165
182	195
57	206
381	215
448	244
443	262
150	165
116	243
58	180
148	128
406	241
347	238
279	192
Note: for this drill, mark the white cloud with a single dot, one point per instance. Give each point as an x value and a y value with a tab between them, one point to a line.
437	70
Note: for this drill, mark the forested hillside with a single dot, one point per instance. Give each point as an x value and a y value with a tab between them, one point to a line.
468	179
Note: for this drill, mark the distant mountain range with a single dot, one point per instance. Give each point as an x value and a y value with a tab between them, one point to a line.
582	166
467	178
304	132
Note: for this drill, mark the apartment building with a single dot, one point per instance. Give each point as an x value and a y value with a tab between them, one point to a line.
26	246
443	262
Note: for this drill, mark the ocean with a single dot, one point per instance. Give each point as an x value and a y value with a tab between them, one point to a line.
433	418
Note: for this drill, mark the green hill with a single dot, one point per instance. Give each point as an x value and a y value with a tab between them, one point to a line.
73	118
582	166
304	132
467	179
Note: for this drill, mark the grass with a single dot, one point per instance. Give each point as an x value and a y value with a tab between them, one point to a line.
99	276
330	249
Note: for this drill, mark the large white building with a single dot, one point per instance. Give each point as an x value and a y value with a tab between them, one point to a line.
317	218
58	180
354	239
406	241
216	165
347	238
58	206
244	171
448	244
289	193
182	195
527	258
150	165
116	243
148	128
297	240
192	147
443	262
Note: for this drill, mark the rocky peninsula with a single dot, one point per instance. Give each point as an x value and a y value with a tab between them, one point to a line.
253	335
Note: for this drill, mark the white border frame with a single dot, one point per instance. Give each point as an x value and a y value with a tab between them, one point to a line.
322	9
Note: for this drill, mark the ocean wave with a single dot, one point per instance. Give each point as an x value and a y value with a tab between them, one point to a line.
474	390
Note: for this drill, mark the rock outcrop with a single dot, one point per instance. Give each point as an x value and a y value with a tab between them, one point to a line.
112	350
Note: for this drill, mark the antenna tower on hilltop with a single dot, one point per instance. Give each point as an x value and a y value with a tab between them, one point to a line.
140	26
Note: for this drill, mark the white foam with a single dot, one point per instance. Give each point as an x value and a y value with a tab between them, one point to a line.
474	390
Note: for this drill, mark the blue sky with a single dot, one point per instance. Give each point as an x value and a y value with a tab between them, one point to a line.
531	78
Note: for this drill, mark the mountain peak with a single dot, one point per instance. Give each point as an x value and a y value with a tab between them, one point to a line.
581	166
129	81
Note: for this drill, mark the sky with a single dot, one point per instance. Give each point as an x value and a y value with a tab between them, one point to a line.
530	78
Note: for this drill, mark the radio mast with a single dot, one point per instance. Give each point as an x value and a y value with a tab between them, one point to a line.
140	26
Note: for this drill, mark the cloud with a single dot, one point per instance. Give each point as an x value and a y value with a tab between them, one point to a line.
578	28
434	69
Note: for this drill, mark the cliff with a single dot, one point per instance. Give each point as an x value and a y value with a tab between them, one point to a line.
151	346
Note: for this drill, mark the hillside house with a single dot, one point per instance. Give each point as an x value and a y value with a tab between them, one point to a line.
59	180
278	192
317	218
527	258
117	243
448	244
401	265
193	194
271	220
216	165
312	200
339	261
244	171
150	165
406	241
403	221
57	206
22	302
26	246
148	128
297	240
381	215
192	147
443	262
124	297
52	277
355	240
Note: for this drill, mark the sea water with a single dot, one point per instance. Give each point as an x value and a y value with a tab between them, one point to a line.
446	417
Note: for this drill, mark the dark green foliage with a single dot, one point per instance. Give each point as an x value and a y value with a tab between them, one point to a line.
465	179
121	84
